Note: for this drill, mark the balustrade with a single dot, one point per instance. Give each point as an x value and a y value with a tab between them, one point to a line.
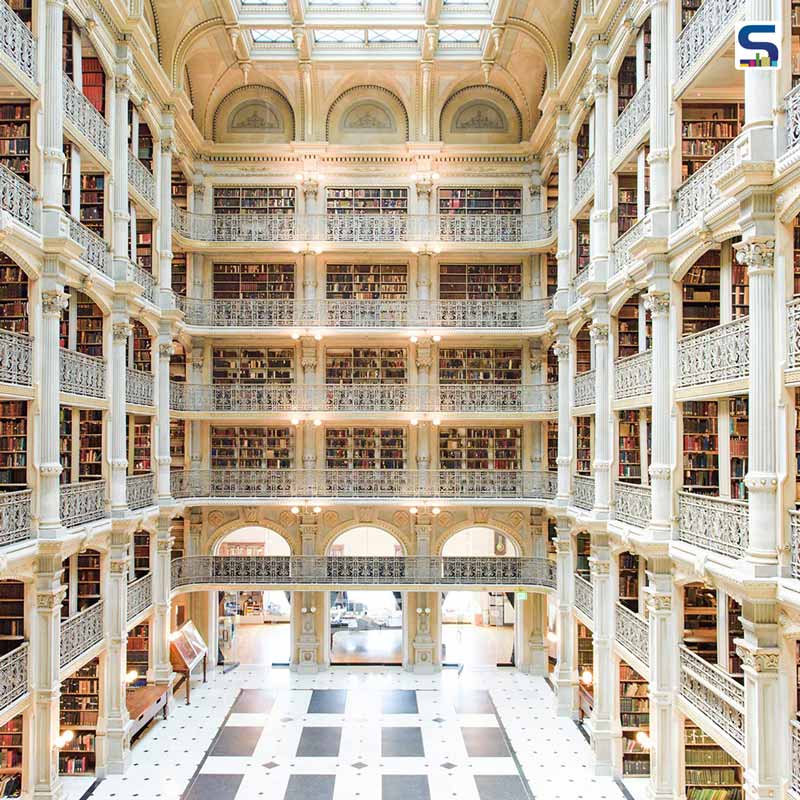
793	333
364	397
634	119
14	675
700	190
138	387
16	196
17	42
622	260
584	596
15	517
144	279
82	502
715	355
583	491
794	532
140	490
791	105
632	504
585	388
141	179
794	782
632	632
82	374
633	376
713	523
16	351
140	595
95	250
80	632
583	186
85	117
709	25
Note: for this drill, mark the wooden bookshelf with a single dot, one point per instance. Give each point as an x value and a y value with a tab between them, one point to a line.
628	328
480	281
138	652
738	427
253	200
582	145
67	55
251	447
701	295
144	244
735	631
80	708
65	443
626	82
582	245
700	620
364	200
634	717
487	365
552	366
366	281
90	444
144	147
177	443
345	365
551	435
583	550
14	296
700	447
141	554
627	203
483	200
140	458
583	350
176	534
89	326
583	445
94	81
141	347
177	363
480	448
796	255
797	444
795	52
552	274
12	750
88	579
706	129
648	46
12	615
630	447
13	445
67	180
15	137
180	189
179	274
365	448
711	773
253	365
629	571
259	281
93	190
585	664
740	290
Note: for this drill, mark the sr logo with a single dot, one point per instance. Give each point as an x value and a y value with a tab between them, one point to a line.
758	45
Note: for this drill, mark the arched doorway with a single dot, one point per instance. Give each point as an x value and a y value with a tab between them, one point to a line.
254	626
366	626
478	627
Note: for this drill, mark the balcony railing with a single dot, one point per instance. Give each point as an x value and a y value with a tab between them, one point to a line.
700	191
633	376
85	117
16	352
138	387
633	632
82	502
14	676
583	188
585	388
793	333
17	42
494	398
144	279
584	596
634	118
95	251
15	517
140	595
794	782
794	531
80	632
583	491
715	355
141	179
622	259
792	107
16	195
362	571
82	374
707	26
713	692
713	523
632	504
140	490
366	483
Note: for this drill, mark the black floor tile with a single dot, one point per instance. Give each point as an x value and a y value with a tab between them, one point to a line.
485	743
319	742
405	787
473	702
236	740
400	701
327	701
310	787
500	787
253	701
402	742
214	787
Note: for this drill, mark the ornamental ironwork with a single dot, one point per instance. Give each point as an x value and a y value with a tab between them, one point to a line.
632	504
140	595
583	186
584	596
17	42
85	117
633	375
794	530
16	195
700	190
634	119
16	351
632	632
709	24
713	523
141	179
138	387
583	491
792	107
14	675
80	632
622	260
139	490
585	384
793	332
82	502
363	397
364	313
95	250
715	355
794	783
82	374
144	279
15	516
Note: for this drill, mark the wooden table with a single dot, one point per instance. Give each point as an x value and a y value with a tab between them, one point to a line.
144	703
186	676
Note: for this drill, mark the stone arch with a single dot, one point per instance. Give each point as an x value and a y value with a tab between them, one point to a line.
788	204
493	524
374	100
8	250
623	297
96	297
194	35
497	106
323	547
576	5
278	115
548	51
216	538
151	16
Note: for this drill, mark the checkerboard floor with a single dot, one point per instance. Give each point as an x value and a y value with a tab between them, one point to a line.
367	733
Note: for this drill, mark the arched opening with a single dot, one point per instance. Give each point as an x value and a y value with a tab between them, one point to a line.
254	626
366	626
478	626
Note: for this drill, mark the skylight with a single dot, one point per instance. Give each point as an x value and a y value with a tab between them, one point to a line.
465	2
339	36
263	2
459	36
365	3
272	35
393	36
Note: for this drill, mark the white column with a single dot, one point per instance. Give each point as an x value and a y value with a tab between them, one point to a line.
423	279
163	458
165	213
75	182
120	209
599	219
308	606
162	668
602	445
423	359
310	284
566	674
121	330
561	300
564	459
660	104
308	362
759	91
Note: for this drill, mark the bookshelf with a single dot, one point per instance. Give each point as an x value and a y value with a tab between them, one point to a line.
94	81
629	571
344	365
180	189
66	46
12	615
552	366
552	274
140	457
707	128
15	138
253	365
480	448
582	145
144	244
65	580
797	445
13	445
700	620
177	363
630	447
735	631
251	447
67	181
700	447
583	350
494	366
144	147
795	52
366	282
88	579
179	274
552	444
141	347
377	200
260	281
484	200
585	664
740	290
634	716
253	200
176	533
177	443
138	652
648	46
583	550
90	444
738	428
628	328
701	295
626	82
480	281
365	448
583	445
80	708
93	189
711	772
582	245
65	443
141	554
627	203
12	750
14	288
88	326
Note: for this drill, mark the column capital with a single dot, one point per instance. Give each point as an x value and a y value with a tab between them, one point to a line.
757	254
598	331
424	356
54	301
560	147
599	567
121	330
561	350
598	86
659	603
657	303
758	659
166	349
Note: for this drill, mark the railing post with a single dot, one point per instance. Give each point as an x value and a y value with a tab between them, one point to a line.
566	673
162	668
602	453
121	330
564	459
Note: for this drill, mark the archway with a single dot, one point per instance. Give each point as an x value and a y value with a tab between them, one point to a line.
254	626
366	626
478	627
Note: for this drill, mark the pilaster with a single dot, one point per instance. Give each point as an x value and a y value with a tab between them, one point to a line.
165	209
120	203
308	607
602	454
564	459
163	460
566	673
121	330
660	104
565	179
162	570
599	218
424	643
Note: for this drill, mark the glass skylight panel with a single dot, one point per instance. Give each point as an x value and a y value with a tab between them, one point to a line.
466	2
339	36
263	2
272	36
459	36
365	3
393	36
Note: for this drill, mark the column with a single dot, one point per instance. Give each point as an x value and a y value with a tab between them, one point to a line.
195	368
424	187
759	92
604	728
163	460
308	606
121	330
115	609
53	119
44	667
537	638
310	312
424	458
598	222
165	210
565	178
422	311
657	303
310	188
564	459
660	104
54	300
162	668
308	362
426	642
566	674
423	359
602	446
120	209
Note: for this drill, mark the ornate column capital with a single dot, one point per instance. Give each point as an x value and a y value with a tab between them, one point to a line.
424	356
758	659
166	349
757	254
659	603
121	331
657	303
560	147
598	86
561	351
599	568
424	186
54	301
309	187
598	331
